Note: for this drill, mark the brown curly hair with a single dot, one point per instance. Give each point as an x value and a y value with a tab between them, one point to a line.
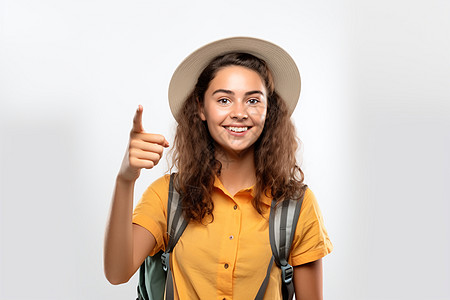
277	172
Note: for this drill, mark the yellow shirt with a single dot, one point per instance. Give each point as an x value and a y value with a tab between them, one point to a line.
228	258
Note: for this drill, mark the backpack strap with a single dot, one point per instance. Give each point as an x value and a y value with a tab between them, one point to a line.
263	287
283	222
176	224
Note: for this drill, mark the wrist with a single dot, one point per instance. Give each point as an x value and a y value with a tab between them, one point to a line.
125	180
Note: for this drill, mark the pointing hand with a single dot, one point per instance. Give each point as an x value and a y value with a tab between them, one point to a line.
144	149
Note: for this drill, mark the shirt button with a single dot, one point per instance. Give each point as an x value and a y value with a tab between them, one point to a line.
231	237
235	207
226	266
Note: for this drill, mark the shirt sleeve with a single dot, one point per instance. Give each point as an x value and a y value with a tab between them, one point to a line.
311	241
151	211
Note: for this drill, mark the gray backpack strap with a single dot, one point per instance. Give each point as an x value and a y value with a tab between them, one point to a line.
282	224
283	220
263	287
176	224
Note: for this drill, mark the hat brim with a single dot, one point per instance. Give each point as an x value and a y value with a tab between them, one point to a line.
285	73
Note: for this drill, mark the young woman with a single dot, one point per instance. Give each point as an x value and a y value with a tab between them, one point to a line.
234	152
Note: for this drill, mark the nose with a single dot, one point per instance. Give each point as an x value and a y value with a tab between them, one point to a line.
239	111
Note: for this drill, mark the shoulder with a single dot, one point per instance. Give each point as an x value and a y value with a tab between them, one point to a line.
309	196
154	197
159	187
161	182
310	209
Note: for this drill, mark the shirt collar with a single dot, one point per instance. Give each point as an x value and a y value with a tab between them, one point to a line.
218	184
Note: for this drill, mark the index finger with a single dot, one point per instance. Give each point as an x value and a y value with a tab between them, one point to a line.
137	120
154	138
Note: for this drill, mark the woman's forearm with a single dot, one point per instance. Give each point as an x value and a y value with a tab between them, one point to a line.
118	248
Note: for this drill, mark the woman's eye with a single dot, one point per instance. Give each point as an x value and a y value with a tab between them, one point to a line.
253	101
223	101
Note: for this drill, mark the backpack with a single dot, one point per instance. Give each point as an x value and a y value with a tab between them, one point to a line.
155	274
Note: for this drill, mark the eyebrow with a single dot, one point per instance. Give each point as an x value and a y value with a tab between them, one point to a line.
232	93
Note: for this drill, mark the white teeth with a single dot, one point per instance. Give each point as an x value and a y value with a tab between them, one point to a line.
237	129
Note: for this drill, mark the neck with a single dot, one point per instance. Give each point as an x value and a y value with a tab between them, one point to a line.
238	169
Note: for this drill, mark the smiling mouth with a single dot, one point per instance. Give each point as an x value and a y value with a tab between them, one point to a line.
236	129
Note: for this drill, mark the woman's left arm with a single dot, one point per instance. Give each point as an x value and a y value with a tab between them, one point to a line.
308	281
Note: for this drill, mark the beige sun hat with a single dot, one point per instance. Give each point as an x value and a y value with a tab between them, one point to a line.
285	73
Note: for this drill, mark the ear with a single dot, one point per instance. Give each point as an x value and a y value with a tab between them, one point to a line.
201	111
202	115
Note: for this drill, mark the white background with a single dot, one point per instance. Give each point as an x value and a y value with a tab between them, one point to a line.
373	116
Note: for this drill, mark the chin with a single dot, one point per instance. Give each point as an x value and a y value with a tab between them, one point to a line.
239	150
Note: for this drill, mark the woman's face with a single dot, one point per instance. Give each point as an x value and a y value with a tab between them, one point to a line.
235	106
